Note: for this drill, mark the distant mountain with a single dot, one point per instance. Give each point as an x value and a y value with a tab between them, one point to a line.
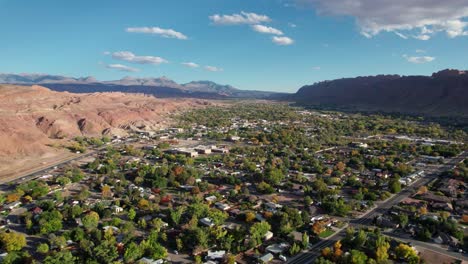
445	93
159	87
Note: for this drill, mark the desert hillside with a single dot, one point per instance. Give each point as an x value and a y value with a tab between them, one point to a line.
33	117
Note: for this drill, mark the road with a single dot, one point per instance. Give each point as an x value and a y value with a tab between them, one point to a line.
39	172
367	218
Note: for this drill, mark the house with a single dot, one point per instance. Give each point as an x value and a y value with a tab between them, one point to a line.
430	197
220	150
12	205
234	138
222	206
79	222
207	221
385	222
211	198
272	206
114	229
214	255
266	258
277	248
296	236
36	210
117	209
150	261
268	235
203	150
443	206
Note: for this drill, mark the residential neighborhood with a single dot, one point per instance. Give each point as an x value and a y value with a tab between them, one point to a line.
245	185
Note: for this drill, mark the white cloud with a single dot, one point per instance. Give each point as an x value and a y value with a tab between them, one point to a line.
121	67
420	51
282	41
130	57
237	19
213	69
426	17
106	53
316	68
266	30
422	37
401	35
190	64
418	60
167	33
292	25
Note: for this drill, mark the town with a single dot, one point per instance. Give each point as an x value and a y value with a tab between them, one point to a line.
249	183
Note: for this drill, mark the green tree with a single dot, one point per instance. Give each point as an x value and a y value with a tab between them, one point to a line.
131	214
42	248
105	252
60	257
305	240
12	241
132	252
257	232
357	257
90	220
50	222
395	186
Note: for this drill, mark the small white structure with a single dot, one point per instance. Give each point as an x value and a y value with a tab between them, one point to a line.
117	209
207	221
222	206
268	235
214	255
211	198
150	261
266	258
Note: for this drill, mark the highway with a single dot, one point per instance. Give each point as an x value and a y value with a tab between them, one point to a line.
367	218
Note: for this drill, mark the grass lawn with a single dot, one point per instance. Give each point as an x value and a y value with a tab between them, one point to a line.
326	233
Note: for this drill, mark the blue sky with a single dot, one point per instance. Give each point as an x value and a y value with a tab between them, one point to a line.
274	45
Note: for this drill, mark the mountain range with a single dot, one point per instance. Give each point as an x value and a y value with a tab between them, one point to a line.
162	87
444	93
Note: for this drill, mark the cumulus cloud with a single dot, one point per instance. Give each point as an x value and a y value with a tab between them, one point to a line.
267	30
167	33
316	68
420	51
130	57
121	67
292	25
426	17
418	60
282	41
238	19
190	64
213	69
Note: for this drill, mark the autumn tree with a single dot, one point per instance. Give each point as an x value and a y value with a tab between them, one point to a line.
249	216
326	252
423	210
337	252
406	252
422	190
318	227
106	191
381	250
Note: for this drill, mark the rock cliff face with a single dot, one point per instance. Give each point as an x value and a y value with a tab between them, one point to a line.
33	117
443	94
